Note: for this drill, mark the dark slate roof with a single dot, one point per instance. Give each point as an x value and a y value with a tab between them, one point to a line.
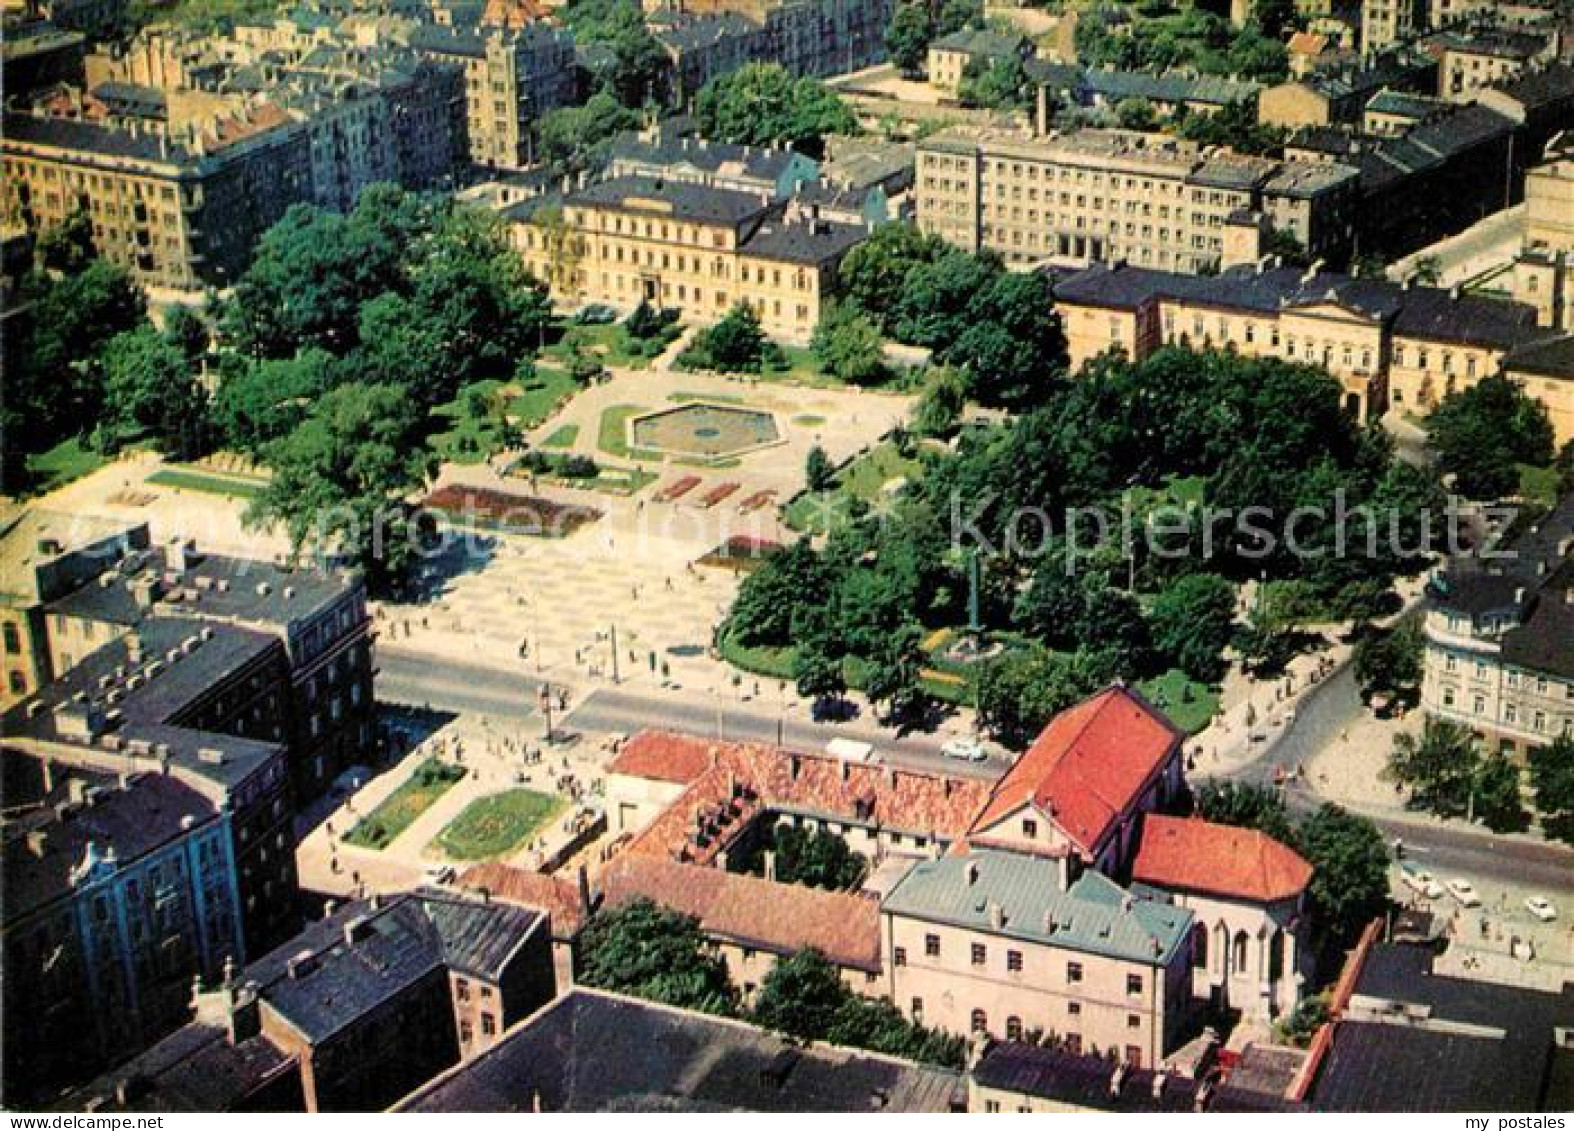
804	241
90	137
1483	1046
195	1068
150	811
1081	1081
1387	71
594	1051
1502	43
1210	90
1538	88
352	961
680	200
669	150
695	33
1544	640
1549	357
981	43
1403	104
447	41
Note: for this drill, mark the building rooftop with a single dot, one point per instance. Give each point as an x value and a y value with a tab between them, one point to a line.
33	540
803	239
751	911
649	1057
101	821
1017	896
649	155
348	963
674	199
1500	43
1084	1081
1188	854
664	756
558	897
981	42
1088	766
1404	104
196	1068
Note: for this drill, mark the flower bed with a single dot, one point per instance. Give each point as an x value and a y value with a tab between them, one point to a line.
742	553
717	494
484	509
677	489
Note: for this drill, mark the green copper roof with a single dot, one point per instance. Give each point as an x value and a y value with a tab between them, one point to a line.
1095	915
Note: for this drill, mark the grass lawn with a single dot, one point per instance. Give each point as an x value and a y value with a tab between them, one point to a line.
563	437
206	482
400	808
808	420
496	825
862	480
1189	704
70	459
606	342
471	432
540	397
801	367
612	433
1539	483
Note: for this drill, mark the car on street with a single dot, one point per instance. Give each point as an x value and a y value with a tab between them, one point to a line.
1463	891
439	874
1419	881
964	750
1541	907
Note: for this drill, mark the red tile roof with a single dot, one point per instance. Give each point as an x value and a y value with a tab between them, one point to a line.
751	911
558	896
743	779
1089	766
1179	853
664	756
1307	43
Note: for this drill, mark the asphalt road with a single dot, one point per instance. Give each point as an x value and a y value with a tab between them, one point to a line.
1445	850
414	680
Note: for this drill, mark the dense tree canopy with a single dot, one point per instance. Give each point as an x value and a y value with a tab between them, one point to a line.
1481	433
762	104
656	953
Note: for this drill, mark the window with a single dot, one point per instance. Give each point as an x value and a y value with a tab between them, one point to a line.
918	1007
899	956
932	946
1134	1056
1073	972
979	954
1014	961
1030	827
13	640
980	1021
992	1107
1133	1021
488	1025
1074	1009
1133	984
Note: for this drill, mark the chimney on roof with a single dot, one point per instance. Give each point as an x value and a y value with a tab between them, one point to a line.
972	872
1453	293
793	765
997	915
847	769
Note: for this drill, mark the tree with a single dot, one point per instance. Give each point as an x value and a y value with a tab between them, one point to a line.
907	39
641	69
1552	778
573	138
847	344
995	84
762	104
1135	114
817	667
815	858
1301	1024
1247	806
1498	804
801	996
186	330
150	390
819	471
1020	691
1440	767
261	401
1480	433
736	344
341	478
1349	886
940	404
874	273
893	678
656	953
1192	622
763	612
1275	17
1389	663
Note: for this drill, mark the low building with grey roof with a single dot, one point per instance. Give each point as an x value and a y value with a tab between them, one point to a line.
364	1005
992	943
592	1051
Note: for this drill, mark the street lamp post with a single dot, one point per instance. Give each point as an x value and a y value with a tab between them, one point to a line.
544	698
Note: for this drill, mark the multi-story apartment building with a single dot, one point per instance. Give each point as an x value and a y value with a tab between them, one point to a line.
991	943
1499	633
38	55
704	47
1387	343
512	77
1339	96
44	555
807	37
1387	22
777	173
176	213
701	250
319	619
118	890
1471	61
1114	194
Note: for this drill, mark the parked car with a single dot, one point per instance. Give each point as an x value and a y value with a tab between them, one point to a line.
439	874
964	750
1541	908
1463	891
1419	881
596	314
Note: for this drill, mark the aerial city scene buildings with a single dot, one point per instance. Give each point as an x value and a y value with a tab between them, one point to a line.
912	556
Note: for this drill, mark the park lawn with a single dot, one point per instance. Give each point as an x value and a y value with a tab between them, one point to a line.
1189	704
612	433
606	341
70	459
563	437
540	396
187	480
468	438
799	366
862	479
382	826
776	663
1539	484
496	825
